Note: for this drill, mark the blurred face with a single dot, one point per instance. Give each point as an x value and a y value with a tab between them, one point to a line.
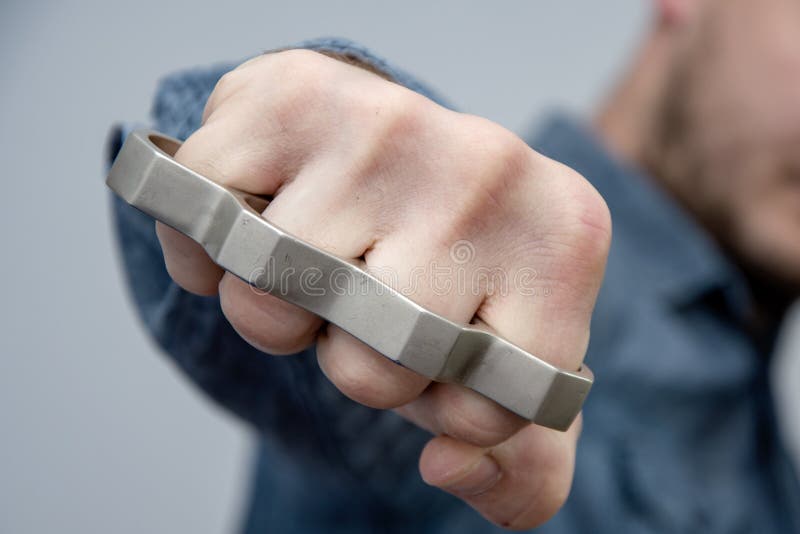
728	135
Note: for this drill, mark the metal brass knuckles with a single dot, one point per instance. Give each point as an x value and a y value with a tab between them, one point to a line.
228	224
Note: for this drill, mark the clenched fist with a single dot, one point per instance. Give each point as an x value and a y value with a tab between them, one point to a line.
379	175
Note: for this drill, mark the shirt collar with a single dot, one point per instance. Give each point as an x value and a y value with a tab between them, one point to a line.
674	251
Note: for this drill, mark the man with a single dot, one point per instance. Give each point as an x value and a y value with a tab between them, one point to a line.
694	154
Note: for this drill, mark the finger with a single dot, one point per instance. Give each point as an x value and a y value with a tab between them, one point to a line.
314	212
268	323
462	414
518	484
360	372
187	263
363	374
549	318
548	304
211	152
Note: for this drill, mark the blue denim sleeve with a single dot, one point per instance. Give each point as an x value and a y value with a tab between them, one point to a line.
267	392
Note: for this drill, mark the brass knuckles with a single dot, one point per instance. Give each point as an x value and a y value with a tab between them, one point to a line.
228	224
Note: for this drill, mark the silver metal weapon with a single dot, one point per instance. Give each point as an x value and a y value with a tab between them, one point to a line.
229	226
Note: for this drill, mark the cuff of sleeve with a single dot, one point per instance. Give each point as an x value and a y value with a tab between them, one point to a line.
361	54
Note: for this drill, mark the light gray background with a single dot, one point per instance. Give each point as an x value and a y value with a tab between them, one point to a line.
97	432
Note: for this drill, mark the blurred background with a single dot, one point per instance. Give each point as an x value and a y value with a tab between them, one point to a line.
98	433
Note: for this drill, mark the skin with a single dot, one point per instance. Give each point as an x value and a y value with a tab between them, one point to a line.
377	174
380	175
710	110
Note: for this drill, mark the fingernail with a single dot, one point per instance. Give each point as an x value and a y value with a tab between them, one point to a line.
479	478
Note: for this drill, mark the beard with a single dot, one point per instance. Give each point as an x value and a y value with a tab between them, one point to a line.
677	154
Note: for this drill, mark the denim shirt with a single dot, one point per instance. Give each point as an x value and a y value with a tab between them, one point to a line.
679	431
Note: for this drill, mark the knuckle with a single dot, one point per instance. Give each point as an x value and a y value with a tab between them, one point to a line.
489	167
298	57
296	73
398	115
586	215
202	156
495	163
495	154
390	121
302	71
255	61
302	88
229	84
595	222
407	111
507	155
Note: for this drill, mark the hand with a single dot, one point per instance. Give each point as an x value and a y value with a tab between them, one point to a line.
380	175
